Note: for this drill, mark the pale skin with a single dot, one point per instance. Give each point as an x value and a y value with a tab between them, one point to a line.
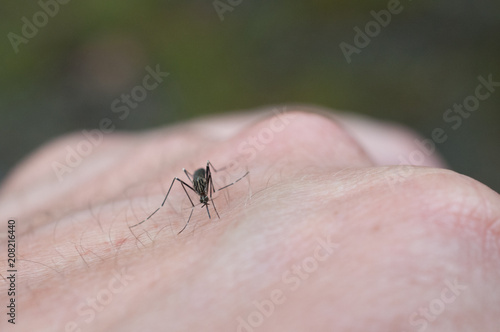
321	236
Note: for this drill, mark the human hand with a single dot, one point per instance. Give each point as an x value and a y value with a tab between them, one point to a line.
319	236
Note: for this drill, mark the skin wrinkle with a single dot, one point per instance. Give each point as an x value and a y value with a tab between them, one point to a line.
206	277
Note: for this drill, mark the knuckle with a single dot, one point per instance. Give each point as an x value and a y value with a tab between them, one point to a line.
450	198
308	137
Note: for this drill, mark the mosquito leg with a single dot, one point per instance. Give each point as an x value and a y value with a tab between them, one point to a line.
212	190
208	211
189	175
185	184
192	205
215	170
165	199
168	192
183	228
208	175
213	204
146	218
157	208
234	181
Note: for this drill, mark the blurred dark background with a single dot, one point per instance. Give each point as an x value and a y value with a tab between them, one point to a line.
427	58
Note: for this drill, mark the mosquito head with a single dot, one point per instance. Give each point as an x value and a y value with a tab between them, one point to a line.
204	199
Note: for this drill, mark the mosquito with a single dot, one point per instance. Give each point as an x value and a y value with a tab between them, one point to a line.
202	185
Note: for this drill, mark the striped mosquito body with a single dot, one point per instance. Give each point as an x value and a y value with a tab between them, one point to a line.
202	185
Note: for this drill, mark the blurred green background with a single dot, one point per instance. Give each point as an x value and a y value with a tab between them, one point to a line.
264	52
